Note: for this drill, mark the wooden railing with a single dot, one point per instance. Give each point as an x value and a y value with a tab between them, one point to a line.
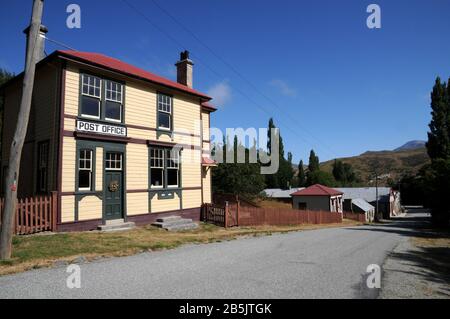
34	214
234	215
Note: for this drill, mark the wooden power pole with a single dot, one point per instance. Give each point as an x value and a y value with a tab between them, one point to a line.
12	172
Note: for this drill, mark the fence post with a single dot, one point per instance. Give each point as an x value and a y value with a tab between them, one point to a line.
238	207
226	215
54	209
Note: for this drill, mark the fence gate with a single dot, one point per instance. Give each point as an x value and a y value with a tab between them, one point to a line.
34	214
224	216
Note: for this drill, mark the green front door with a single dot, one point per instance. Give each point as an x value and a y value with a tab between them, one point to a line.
113	180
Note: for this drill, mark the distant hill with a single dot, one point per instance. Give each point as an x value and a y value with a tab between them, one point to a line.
411	145
389	164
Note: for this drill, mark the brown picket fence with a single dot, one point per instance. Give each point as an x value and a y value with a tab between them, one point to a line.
355	216
34	214
234	215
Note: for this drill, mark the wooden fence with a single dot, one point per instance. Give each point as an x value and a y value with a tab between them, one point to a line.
360	217
34	214
234	215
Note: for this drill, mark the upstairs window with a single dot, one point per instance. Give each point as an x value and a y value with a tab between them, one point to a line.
164	112
85	170
101	99
91	96
113	101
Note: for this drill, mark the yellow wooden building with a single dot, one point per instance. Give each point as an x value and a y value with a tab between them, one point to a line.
115	141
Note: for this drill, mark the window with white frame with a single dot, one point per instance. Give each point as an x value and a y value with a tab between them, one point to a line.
85	170
113	161
42	167
157	167
90	96
164	168
113	101
172	167
164	112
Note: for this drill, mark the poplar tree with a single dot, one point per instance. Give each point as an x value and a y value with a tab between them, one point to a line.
313	162
438	145
301	175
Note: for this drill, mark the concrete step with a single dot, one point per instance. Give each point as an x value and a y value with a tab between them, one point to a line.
115	221
116	226
183	227
168	219
173	222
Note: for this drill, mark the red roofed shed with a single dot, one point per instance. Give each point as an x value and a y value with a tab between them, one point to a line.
318	197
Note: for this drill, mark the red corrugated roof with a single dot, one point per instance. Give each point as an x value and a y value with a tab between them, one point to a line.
206	161
317	190
128	69
209	106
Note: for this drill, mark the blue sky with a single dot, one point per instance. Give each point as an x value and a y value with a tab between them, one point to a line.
330	83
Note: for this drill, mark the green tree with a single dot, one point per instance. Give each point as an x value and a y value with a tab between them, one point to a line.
321	177
313	164
301	175
5	76
438	144
269	135
436	176
283	177
237	178
343	173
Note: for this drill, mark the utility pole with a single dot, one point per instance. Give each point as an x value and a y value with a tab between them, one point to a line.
12	172
376	194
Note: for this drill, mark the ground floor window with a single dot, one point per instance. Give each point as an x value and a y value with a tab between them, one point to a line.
164	168
113	161
42	167
173	168
85	169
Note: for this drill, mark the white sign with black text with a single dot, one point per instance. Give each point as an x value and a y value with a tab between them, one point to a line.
100	128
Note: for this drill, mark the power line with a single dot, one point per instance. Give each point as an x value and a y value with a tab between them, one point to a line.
59	43
197	58
186	29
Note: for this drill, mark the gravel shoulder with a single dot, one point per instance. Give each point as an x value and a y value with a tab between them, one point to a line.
418	268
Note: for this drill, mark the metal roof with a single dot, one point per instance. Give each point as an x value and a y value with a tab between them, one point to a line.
366	193
279	193
361	203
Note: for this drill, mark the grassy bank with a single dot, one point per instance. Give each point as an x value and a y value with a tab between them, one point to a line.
45	249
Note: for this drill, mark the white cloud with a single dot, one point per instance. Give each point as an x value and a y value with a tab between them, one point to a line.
283	87
221	93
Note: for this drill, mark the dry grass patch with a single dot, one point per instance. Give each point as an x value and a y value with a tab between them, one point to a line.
273	203
431	242
44	250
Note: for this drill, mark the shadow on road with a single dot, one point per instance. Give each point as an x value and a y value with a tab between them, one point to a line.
430	252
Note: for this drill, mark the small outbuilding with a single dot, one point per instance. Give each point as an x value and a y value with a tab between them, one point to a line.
360	206
318	197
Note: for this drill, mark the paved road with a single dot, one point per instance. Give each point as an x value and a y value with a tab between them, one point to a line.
326	263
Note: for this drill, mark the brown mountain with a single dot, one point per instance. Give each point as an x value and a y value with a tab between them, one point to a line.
389	164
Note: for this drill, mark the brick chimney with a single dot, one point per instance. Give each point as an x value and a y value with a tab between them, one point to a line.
185	69
40	44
